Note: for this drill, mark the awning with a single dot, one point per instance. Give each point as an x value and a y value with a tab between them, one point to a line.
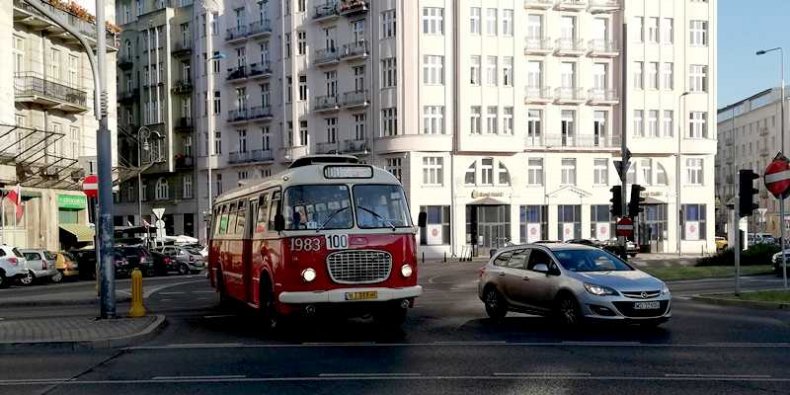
83	233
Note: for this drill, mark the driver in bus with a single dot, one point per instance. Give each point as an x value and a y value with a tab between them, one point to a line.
376	204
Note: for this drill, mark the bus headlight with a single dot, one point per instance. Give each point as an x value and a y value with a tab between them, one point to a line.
406	270
308	275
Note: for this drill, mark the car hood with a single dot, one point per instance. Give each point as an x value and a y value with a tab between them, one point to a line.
632	280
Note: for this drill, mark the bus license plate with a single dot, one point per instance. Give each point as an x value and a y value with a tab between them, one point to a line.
646	305
362	295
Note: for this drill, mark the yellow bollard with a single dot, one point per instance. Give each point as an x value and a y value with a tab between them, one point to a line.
137	309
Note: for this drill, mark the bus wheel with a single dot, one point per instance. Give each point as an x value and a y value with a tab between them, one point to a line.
266	312
391	316
224	300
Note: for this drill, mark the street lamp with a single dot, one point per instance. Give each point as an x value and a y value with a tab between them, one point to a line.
143	136
681	120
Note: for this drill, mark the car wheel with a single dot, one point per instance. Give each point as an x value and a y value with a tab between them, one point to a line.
568	311
3	280
632	255
27	279
496	307
183	269
58	277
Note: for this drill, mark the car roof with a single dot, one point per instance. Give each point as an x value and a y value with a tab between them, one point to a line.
550	247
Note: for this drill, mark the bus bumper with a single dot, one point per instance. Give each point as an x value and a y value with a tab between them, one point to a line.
350	295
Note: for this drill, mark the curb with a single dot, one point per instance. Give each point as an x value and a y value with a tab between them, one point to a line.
61	302
146	334
724	301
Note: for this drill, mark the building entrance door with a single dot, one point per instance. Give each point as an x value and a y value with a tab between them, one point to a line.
487	226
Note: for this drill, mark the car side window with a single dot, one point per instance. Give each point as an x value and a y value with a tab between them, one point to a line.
519	259
539	256
2	252
503	258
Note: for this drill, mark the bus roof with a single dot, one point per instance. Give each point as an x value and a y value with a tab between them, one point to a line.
307	174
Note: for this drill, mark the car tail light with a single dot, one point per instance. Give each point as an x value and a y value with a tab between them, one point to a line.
168	261
43	265
13	261
482	271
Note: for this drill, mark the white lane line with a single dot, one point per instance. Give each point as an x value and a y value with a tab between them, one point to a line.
340	344
220	377
218	316
342	375
740	376
172	293
543	374
199	345
470	343
600	343
203	292
11	381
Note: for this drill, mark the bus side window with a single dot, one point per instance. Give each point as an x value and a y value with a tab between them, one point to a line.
241	218
232	219
275	208
263	213
223	221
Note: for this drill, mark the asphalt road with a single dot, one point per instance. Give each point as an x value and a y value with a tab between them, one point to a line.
446	346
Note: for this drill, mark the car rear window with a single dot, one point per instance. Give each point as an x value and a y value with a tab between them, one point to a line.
50	256
17	253
32	256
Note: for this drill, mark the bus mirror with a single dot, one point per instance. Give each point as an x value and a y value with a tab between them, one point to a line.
422	219
279	222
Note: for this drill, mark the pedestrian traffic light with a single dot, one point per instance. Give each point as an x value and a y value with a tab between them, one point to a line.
636	201
617	201
746	192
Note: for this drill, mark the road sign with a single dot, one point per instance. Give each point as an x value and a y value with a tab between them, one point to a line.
777	177
625	227
622	168
160	230
159	212
90	186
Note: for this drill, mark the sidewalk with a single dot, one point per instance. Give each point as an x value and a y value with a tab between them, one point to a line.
641	260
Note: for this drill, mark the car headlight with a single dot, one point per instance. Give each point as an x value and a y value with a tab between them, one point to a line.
308	275
406	270
599	290
664	290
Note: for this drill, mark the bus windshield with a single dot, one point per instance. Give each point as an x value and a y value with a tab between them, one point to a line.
381	206
317	206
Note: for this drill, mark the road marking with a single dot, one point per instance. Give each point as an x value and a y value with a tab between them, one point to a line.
341	344
741	376
203	292
172	293
543	374
470	343
221	377
198	345
218	316
601	343
340	375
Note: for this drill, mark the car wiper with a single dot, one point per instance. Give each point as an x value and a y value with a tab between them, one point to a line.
377	215
336	212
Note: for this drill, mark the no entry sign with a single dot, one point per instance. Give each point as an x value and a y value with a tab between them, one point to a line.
624	227
777	177
90	185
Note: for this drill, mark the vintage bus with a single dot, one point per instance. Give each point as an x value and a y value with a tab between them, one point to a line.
327	236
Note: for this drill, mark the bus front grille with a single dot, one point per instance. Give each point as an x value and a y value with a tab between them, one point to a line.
359	266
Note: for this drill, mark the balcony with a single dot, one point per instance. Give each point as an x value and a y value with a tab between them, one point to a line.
538	4
326	57
290	154
254	156
353	7
568	47
355	50
537	95
606	97
356	147
236	34
182	87
238	116
583	141
237	74
29	88
356	99
260	29
537	46
571	5
25	14
183	124
604	5
128	96
326	104
764	131
125	62
184	162
326	12
603	49
728	141
764	151
182	48
568	95
260	70
261	114
327	148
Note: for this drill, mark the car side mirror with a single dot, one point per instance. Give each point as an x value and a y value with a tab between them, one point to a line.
491	252
422	219
279	223
541	268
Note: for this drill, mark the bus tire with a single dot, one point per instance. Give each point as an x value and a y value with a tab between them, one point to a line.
266	312
224	300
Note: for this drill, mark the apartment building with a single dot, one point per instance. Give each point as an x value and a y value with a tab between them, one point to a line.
501	118
750	137
155	96
47	122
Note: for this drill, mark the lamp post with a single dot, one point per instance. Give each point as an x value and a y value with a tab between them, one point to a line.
681	119
782	149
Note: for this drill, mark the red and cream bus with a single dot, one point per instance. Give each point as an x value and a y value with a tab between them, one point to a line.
328	235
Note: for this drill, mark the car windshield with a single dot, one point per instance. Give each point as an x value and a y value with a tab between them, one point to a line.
50	256
590	261
381	206
317	206
31	256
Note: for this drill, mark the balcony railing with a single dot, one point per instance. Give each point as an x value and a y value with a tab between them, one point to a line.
356	98
327	148
325	56
326	11
538	45
182	47
538	4
125	62
237	73
537	94
355	146
49	93
236	33
128	95
253	156
324	103
357	49
86	28
184	123
597	95
603	47
568	94
262	27
260	113
571	5
238	115
583	141
351	7
184	161
603	4
182	86
569	46
260	70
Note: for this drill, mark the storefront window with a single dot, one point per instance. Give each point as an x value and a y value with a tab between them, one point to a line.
534	222
694	226
600	222
569	222
437	229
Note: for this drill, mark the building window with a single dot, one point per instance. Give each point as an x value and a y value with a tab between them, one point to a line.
395	167
491	120
491	70
568	171
507	121
639	80
487	171
507	71
669	123
470	177
359	126
436	217
600	222
217	103
433	70
652	75
534	223
652	123
639	123
639	26
287	45
667	76
535	171
698	125
433	170
491	21
217	143
601	172
667	30
433	120
698	78
568	127
433	20
652	30
389	72
694	224
475	122
388	25
503	176
302	88
162	191
301	42
218	184
694	171
599	128
507	23
188	194
569	221
474	70
304	136
568	75
389	121
242	147
242	175
533	126
474	21
331	130
698	31
266	138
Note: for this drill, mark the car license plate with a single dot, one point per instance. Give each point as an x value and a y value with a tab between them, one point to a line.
362	295
647	305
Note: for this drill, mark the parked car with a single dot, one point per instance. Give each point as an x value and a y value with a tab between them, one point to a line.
86	260
587	242
776	260
203	250
572	282
67	265
13	267
187	260
41	264
613	246
140	257
721	243
162	263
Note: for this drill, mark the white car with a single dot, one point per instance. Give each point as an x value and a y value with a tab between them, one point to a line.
13	266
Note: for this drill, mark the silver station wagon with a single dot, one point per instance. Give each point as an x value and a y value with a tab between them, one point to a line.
572	282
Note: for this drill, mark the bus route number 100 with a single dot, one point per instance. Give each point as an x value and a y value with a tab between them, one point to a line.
336	242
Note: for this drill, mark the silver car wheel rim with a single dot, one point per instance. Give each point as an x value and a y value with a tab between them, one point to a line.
491	300
27	279
568	311
57	277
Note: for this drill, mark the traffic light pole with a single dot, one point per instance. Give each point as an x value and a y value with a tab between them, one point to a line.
623	134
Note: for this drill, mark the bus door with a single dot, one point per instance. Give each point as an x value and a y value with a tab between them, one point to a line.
246	257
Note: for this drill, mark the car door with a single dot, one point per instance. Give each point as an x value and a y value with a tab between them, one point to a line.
497	272
541	285
34	261
511	277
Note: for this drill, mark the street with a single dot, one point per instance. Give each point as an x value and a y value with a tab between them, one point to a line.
446	346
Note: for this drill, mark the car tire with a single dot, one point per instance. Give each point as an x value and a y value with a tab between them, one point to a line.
28	279
3	279
183	269
58	277
631	255
568	311
495	304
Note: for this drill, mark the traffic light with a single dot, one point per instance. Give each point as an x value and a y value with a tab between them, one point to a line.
617	201
746	192
636	201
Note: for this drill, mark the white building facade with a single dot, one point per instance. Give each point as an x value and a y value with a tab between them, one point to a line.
501	118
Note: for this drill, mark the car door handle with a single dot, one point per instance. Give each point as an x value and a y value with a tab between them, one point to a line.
501	274
525	278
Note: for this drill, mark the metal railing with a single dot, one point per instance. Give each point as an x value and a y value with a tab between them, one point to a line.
30	85
538	3
604	3
326	10
571	3
330	147
537	44
537	93
86	28
356	98
568	45
260	112
573	94
182	46
583	141
260	69
183	122
182	86
237	73
602	95
257	155
325	103
603	46
260	27
238	115
352	6
355	145
357	48
325	55
237	32
128	95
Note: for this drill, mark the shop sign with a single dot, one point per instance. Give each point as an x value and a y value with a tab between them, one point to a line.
692	230
72	202
435	235
486	194
533	232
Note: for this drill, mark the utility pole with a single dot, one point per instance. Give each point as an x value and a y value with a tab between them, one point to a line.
624	154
